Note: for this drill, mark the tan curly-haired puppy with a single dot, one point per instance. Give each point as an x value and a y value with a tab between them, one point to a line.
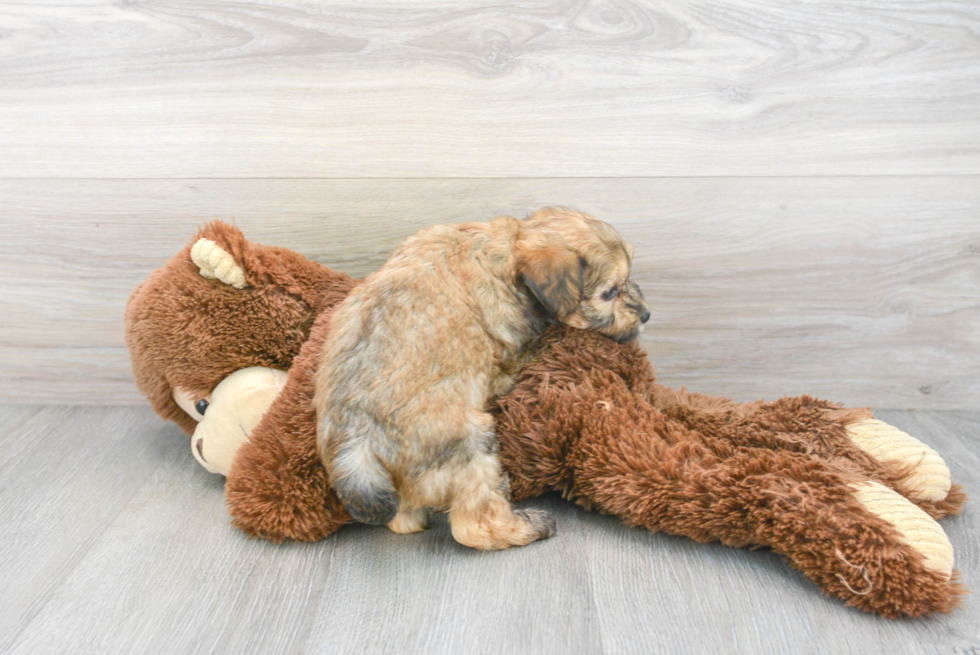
419	348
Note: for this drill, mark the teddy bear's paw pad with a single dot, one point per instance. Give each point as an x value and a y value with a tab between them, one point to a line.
217	264
929	479
918	529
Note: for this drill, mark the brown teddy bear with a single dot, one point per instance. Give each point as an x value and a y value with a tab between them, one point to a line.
848	500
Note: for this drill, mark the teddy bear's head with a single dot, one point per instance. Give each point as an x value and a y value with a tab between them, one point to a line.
227	418
221	305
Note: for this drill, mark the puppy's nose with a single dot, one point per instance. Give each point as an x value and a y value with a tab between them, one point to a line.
645	316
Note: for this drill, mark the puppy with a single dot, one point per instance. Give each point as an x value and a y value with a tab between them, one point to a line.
419	348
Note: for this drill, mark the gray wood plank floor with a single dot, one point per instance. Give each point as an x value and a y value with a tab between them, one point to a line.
112	540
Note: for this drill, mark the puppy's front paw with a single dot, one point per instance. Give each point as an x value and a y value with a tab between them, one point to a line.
541	522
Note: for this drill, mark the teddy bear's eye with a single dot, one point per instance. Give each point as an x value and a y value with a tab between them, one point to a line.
201	406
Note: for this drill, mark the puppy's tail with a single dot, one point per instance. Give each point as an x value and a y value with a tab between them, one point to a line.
363	484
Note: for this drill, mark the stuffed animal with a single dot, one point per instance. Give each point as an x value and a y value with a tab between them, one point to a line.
224	341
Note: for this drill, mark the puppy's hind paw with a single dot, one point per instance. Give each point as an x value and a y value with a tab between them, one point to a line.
409	522
542	522
216	263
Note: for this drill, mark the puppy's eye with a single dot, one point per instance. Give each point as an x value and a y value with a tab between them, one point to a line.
609	294
201	406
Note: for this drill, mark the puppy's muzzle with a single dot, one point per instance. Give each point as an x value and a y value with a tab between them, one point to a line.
632	299
635	301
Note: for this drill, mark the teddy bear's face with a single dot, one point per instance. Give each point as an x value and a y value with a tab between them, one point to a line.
227	416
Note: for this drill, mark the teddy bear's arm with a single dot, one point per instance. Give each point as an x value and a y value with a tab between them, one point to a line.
277	487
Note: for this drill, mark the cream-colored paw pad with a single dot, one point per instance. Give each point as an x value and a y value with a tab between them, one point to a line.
217	264
930	479
918	529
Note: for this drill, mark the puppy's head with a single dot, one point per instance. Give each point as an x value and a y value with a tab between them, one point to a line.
578	269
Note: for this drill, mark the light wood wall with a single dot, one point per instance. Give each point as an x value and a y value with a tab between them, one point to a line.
801	181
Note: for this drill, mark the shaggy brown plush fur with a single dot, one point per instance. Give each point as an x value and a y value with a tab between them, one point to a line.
586	418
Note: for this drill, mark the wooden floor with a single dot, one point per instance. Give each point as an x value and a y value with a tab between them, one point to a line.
114	540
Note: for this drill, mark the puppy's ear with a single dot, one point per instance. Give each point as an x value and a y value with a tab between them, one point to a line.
555	276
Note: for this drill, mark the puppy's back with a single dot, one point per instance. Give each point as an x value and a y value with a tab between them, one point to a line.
406	356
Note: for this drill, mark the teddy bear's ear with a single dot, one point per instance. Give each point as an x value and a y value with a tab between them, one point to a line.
219	251
216	263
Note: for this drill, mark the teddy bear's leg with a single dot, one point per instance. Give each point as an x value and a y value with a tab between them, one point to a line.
848	438
856	539
889	556
917	529
922	470
586	419
859	541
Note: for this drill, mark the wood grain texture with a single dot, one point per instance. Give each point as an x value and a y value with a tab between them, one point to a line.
199	88
65	475
113	539
862	290
425	593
